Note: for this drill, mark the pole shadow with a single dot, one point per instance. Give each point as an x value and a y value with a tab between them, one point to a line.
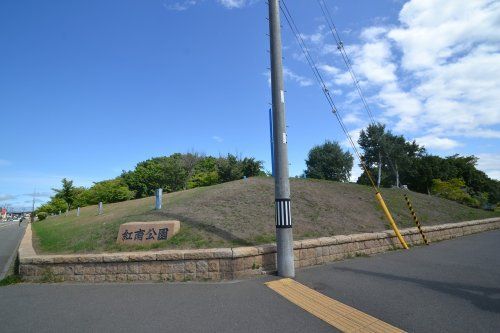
485	298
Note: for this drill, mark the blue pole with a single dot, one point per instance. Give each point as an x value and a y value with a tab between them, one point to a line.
272	140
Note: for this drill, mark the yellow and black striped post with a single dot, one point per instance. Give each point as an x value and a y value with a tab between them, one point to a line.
417	222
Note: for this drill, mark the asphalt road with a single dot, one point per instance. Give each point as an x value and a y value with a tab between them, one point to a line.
10	235
452	286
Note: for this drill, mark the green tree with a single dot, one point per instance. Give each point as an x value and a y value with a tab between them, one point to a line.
370	141
329	161
42	216
251	167
455	190
229	168
66	193
180	171
429	167
391	155
205	173
107	191
54	206
165	172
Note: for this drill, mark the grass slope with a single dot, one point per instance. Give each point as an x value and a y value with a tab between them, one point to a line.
242	213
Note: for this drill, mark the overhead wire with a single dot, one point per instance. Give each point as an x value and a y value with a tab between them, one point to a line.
324	87
345	57
319	78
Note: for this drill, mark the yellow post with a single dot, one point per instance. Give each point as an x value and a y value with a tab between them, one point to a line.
391	220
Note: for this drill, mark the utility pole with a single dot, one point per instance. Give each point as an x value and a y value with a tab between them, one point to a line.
284	235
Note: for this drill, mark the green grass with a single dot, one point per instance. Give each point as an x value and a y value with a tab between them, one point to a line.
11	279
241	213
12	276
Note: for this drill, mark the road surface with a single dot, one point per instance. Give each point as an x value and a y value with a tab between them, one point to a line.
10	235
451	286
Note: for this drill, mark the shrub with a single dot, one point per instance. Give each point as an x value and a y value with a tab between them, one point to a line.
42	216
455	190
329	161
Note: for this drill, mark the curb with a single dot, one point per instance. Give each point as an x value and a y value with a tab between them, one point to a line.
8	265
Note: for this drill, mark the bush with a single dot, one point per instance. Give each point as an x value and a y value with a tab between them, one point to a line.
329	161
42	216
455	190
203	179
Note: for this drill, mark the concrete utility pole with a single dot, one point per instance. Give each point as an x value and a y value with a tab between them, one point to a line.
284	235
271	140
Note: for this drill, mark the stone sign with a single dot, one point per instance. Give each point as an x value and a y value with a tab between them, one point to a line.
147	232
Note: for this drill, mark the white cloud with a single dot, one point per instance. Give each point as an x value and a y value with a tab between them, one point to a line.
329	70
490	164
439	143
288	74
236	3
43	180
7	197
315	38
432	32
180	5
373	33
38	194
437	71
301	80
217	138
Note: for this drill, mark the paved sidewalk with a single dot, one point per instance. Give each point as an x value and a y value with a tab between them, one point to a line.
451	286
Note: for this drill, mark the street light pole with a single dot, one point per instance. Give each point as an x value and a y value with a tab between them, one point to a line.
284	235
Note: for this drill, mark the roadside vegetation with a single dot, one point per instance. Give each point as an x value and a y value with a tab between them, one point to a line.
228	200
393	161
12	276
241	213
171	173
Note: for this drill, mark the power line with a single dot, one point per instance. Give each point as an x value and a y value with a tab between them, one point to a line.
321	82
345	58
340	46
335	111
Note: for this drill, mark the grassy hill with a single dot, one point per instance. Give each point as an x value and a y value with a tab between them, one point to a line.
242	213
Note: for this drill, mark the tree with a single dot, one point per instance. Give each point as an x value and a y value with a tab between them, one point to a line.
167	173
205	173
455	190
251	168
429	167
181	171
189	162
66	193
229	168
54	206
390	154
107	191
371	143
329	161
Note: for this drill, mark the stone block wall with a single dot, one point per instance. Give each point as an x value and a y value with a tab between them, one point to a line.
223	263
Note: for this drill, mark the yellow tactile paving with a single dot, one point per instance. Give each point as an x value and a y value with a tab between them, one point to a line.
339	315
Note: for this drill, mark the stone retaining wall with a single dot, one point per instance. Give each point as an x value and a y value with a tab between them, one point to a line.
223	263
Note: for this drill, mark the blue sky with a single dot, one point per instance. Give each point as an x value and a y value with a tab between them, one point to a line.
89	88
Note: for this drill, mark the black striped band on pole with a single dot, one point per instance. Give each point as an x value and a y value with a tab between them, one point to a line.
283	216
417	222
